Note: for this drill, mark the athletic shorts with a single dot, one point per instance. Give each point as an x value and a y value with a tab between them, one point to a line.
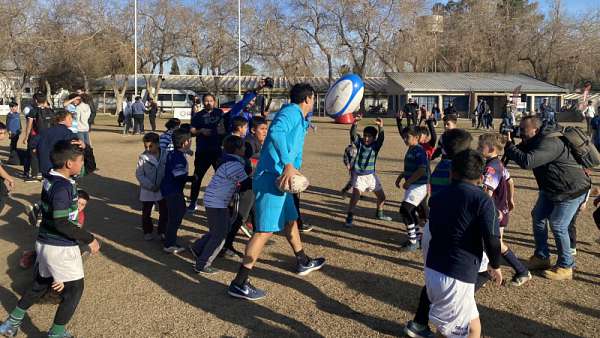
62	263
415	194
273	209
453	304
366	183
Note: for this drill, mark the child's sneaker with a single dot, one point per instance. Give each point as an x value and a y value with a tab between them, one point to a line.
231	253
415	330
174	249
521	279
148	237
312	265
349	220
573	251
9	329
192	208
382	217
305	227
207	270
409	246
246	291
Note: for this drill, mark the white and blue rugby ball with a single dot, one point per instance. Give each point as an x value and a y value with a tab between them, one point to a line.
344	96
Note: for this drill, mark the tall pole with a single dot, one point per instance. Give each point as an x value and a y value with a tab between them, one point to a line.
239	48
135	82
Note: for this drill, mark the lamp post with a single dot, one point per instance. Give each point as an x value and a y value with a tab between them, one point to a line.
239	48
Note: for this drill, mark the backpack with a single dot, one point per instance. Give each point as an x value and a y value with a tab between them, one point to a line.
579	142
46	118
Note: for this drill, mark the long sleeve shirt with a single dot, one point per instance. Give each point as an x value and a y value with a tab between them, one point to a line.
285	141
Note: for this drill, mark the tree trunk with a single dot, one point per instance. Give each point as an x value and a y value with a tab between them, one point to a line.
49	93
329	70
119	94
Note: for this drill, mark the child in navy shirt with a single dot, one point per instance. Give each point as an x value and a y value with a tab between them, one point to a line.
13	125
171	187
416	177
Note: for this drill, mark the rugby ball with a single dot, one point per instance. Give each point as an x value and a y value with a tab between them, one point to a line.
297	184
344	96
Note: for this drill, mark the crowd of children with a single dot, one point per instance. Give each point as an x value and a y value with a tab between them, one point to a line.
456	214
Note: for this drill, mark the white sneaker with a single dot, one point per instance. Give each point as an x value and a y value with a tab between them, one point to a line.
174	249
148	237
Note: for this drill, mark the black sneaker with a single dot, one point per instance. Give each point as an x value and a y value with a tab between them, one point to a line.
29	179
305	227
312	265
415	330
349	220
520	279
246	291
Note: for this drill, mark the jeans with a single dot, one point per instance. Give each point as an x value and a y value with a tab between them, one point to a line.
85	137
138	124
559	215
175	212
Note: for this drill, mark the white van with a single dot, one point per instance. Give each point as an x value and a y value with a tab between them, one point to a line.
170	99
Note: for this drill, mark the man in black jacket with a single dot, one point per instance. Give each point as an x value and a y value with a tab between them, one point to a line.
563	186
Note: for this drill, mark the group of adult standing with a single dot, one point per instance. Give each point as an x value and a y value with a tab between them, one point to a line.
132	115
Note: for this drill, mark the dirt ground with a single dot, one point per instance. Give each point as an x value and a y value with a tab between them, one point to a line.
367	289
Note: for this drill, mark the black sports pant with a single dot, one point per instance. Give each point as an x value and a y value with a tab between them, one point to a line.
147	216
14	139
70	297
246	204
202	162
31	159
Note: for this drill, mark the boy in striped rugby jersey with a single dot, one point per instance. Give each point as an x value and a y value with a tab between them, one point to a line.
364	177
58	256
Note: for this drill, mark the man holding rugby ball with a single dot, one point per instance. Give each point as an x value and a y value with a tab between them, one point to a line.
280	159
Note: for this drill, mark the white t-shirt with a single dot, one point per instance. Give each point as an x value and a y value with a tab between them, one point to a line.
83	115
223	184
589	112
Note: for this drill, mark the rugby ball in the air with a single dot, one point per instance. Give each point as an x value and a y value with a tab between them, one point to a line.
297	184
344	96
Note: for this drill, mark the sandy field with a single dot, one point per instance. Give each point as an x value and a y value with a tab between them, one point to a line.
367	289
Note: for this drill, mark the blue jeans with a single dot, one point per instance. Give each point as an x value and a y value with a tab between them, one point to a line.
558	215
175	212
84	136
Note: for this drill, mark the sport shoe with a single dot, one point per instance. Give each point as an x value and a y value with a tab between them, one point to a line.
39	177
382	217
537	263
231	253
65	334
174	249
521	279
415	330
349	220
246	291
558	273
573	251
8	329
192	208
408	246
148	237
247	230
29	179
312	265
305	227
207	270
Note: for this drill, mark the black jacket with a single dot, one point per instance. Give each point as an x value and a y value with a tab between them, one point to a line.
554	167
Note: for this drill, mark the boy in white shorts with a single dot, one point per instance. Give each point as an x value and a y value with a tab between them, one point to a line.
462	223
364	177
416	177
59	259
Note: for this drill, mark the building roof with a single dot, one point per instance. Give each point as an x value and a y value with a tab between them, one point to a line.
468	82
230	83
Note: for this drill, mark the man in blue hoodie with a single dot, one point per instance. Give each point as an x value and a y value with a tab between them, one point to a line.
280	160
245	106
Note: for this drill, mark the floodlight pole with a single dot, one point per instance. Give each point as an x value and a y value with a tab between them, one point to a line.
135	82
239	48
